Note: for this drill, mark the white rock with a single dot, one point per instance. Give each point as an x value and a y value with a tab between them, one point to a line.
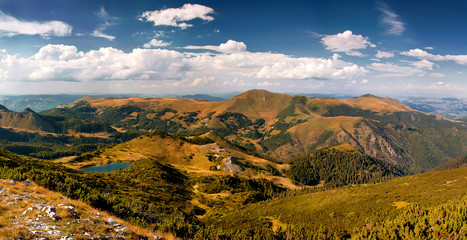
111	221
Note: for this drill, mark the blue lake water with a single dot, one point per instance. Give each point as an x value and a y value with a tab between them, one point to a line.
107	168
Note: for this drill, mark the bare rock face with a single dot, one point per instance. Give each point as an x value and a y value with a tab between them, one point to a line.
232	165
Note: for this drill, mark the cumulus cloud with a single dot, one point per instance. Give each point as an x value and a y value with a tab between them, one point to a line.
177	17
394	26
11	26
392	70
423	64
230	46
346	42
108	21
381	54
422	54
156	43
284	67
67	63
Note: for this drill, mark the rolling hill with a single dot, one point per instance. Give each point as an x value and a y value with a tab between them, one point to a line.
286	126
27	120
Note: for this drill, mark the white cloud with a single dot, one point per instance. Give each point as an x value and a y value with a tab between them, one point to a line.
436	75
202	81
429	48
381	54
230	46
364	81
421	54
156	43
11	26
391	70
66	63
108	21
346	42
177	17
284	67
390	19
423	64
267	84
100	34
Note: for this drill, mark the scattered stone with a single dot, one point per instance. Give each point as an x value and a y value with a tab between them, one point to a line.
12	182
159	237
27	183
111	221
67	238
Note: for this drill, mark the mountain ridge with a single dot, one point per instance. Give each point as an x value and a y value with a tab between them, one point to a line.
281	126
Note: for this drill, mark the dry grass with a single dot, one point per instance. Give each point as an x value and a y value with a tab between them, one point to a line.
378	104
21	215
401	204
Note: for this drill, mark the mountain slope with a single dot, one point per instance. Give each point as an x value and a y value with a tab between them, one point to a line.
203	155
27	120
453	164
285	126
350	211
338	166
29	211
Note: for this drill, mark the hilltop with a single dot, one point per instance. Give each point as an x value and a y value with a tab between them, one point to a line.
27	120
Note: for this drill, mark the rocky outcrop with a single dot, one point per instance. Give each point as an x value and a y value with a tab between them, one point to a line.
232	165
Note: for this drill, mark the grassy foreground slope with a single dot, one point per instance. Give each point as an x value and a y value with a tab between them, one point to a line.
360	211
160	197
29	211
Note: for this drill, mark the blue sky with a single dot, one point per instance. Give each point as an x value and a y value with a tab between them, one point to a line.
387	48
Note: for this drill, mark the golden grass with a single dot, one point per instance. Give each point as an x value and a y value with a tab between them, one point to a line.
85	220
401	204
377	104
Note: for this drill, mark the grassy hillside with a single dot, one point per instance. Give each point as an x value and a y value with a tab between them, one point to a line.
29	211
26	120
147	193
397	207
339	166
453	164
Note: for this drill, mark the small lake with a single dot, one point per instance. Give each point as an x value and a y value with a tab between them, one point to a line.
107	168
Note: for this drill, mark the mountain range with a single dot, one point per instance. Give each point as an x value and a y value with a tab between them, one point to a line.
286	126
